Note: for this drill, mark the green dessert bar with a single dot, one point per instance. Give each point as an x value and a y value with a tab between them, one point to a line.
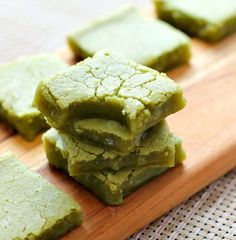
157	149
112	186
210	20
109	95
149	42
32	208
108	133
19	80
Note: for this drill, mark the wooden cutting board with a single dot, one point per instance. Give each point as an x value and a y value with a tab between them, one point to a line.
207	126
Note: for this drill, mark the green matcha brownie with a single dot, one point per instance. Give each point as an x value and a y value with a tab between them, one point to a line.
19	80
210	20
32	208
147	41
112	186
157	149
107	97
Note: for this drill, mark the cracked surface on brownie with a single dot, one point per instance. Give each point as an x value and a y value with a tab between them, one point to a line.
158	139
108	74
30	206
109	81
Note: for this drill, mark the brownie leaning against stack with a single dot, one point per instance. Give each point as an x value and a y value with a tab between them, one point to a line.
108	129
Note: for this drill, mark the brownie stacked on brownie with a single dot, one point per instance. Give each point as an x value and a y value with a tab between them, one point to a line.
108	129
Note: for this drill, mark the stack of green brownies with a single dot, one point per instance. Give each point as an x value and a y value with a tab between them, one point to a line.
109	132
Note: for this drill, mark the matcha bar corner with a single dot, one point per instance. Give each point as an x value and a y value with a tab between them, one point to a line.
210	20
32	208
19	80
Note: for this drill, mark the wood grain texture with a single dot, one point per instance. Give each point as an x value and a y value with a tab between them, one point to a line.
208	128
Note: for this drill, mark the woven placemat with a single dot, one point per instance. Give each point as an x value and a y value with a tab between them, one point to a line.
210	214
